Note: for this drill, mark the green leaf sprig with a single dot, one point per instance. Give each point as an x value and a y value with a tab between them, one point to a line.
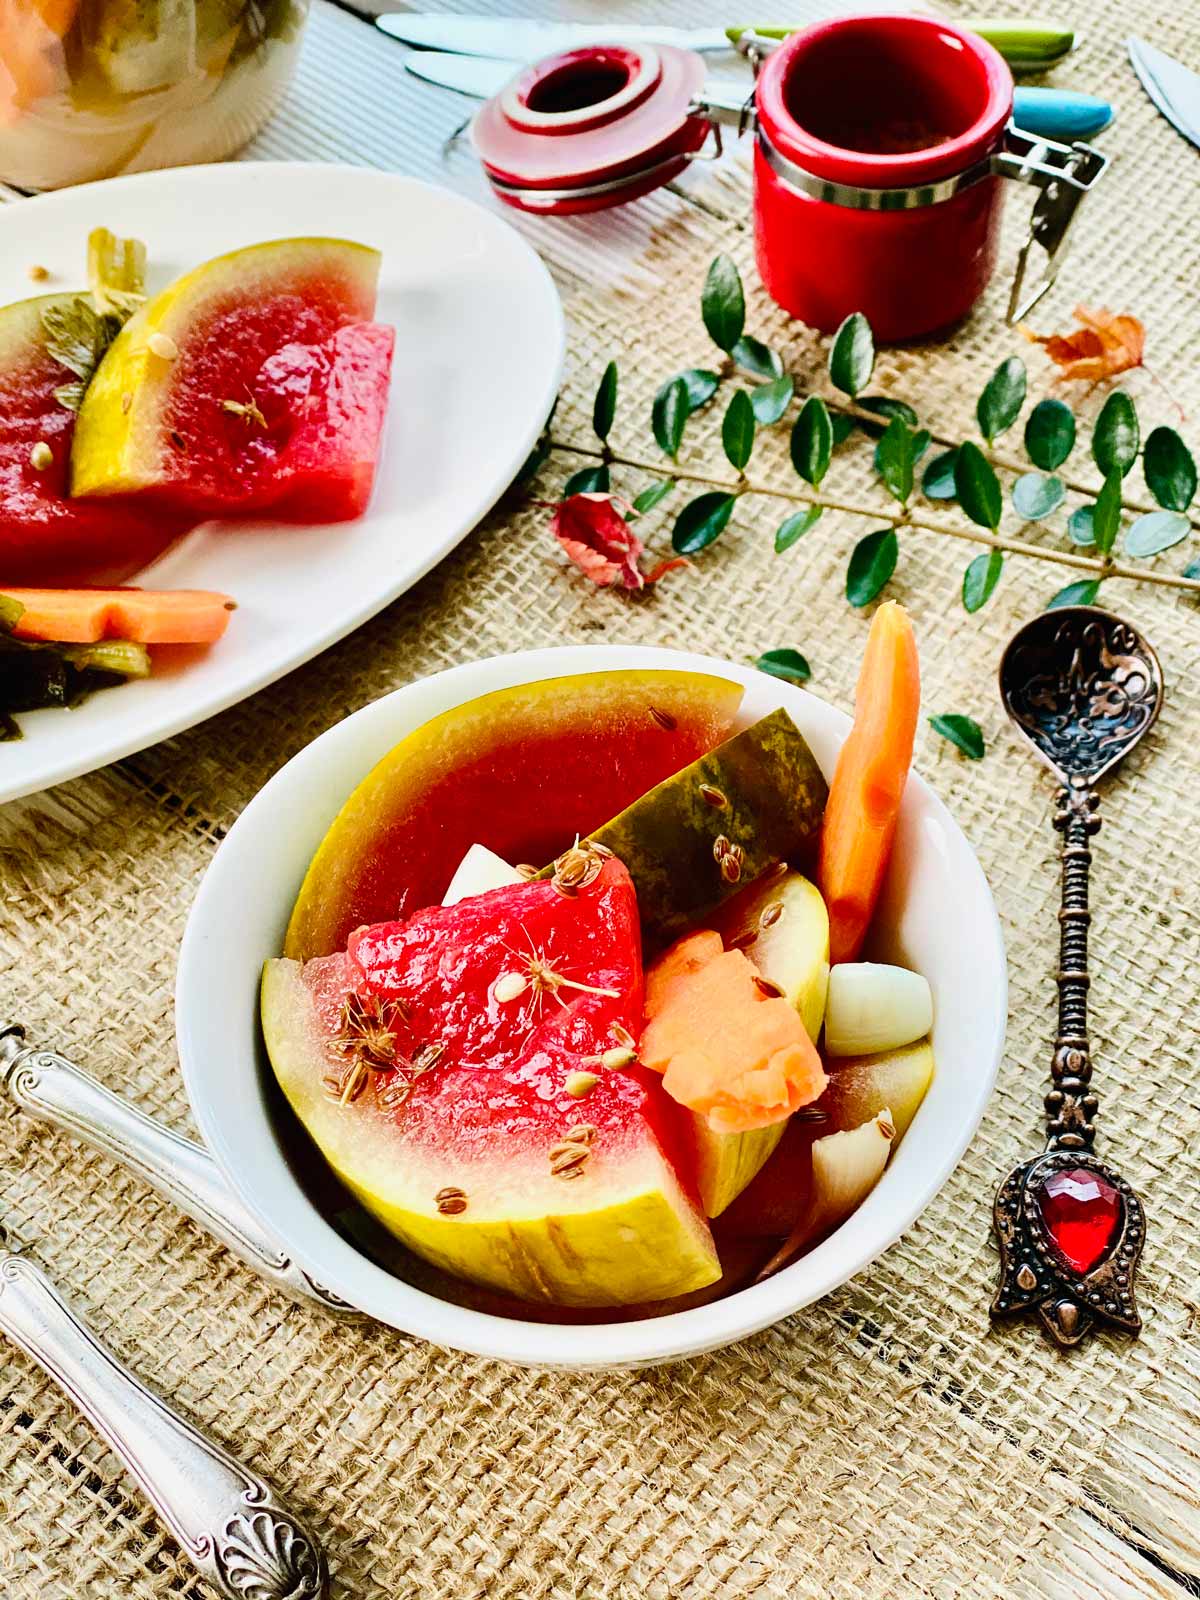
760	395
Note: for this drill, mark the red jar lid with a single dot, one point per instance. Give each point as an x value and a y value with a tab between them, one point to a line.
584	119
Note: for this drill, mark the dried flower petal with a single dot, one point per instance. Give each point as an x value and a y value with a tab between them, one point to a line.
593	531
1105	345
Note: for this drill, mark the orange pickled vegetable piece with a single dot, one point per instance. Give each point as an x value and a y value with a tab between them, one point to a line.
147	616
726	1046
868	783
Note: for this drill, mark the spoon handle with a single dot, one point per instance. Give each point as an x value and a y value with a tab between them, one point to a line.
226	1519
53	1090
1071	1105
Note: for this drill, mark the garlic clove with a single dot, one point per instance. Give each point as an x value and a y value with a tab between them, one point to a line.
479	871
871	1007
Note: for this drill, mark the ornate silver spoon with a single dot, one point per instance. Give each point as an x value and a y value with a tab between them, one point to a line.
51	1089
1082	688
228	1522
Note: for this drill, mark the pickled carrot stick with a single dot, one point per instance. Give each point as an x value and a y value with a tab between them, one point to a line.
868	782
146	616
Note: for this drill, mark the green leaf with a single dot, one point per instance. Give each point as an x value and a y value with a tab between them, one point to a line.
1035	497
669	415
701	521
812	440
852	355
1080	525
962	732
977	486
722	304
980	578
588	480
1002	398
937	482
771	400
653	496
76	337
795	527
1106	513
1049	434
604	407
842	425
884	405
872	562
1192	570
70	397
1082	593
534	461
895	456
1115	436
1157	530
737	430
756	358
700	383
789	664
1170	469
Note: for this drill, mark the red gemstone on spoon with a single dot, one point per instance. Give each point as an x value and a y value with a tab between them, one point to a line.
1082	1212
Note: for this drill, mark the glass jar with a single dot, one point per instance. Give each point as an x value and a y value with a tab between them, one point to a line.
92	88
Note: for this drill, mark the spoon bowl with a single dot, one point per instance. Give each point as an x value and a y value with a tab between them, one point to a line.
1082	687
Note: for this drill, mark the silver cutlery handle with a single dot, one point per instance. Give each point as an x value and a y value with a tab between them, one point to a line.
227	1520
52	1089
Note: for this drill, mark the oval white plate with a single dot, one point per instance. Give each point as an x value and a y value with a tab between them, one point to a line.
479	349
936	915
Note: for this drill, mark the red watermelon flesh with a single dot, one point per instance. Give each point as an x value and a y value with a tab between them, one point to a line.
445	965
323	403
521	770
47	539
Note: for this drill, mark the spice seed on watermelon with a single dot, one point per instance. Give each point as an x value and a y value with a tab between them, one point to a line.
486	1013
255	384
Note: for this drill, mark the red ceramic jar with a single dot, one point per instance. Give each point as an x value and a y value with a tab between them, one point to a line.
871	103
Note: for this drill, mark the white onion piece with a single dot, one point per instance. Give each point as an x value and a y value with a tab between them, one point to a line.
871	1006
847	1166
479	870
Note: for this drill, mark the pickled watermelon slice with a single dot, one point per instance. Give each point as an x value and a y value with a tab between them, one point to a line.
455	1070
45	537
255	384
521	770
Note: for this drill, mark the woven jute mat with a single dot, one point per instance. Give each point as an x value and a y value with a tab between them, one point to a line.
885	1443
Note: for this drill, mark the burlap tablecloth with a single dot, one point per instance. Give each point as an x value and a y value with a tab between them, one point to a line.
887	1442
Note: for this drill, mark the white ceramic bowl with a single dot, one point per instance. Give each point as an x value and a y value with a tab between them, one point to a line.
936	915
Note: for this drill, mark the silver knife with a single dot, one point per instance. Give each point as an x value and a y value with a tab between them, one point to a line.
1027	45
527	39
1174	88
1046	112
